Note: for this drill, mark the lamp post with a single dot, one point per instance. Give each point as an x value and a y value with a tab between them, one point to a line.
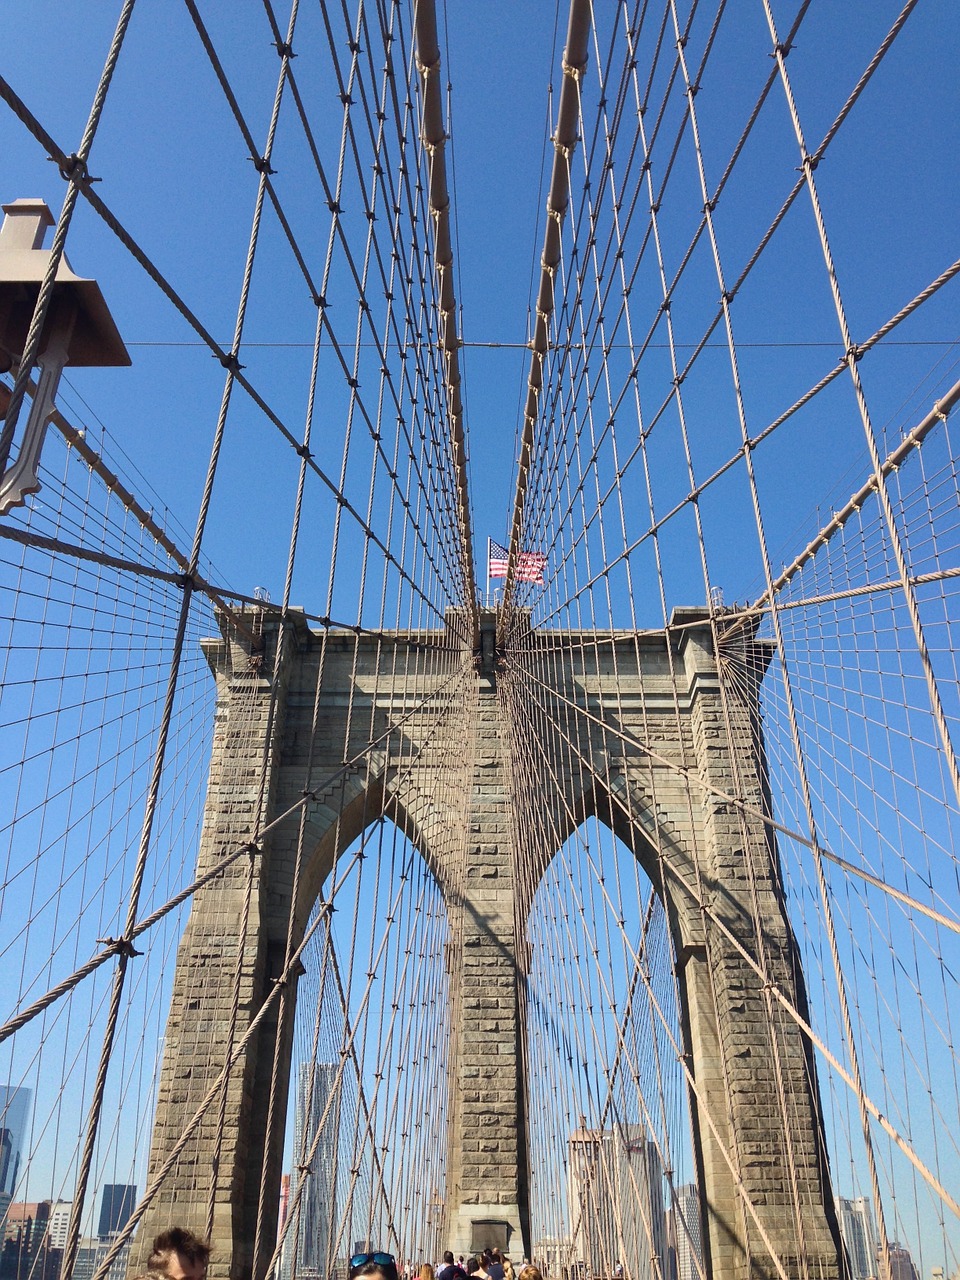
78	331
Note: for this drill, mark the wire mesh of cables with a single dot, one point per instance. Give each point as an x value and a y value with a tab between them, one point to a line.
713	196
240	175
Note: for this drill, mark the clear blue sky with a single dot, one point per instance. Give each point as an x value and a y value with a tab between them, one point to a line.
175	172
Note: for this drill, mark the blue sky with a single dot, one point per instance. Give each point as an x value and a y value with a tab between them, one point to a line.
175	171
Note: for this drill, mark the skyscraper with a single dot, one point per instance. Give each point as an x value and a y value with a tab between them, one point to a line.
859	1236
688	1232
117	1203
14	1116
59	1224
314	1227
615	1190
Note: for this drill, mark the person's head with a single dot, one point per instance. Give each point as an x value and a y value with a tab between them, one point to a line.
530	1273
448	1258
373	1264
472	1267
426	1271
178	1254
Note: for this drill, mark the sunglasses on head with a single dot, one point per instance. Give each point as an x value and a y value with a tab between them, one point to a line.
380	1259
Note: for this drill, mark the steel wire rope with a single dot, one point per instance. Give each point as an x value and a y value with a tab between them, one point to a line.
557	841
62	988
759	936
712	1124
831	133
591	239
809	1032
333	202
74	171
284	1005
605	347
225	358
349	1051
909	595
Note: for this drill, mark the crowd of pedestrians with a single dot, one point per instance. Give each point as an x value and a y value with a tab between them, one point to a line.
178	1254
491	1264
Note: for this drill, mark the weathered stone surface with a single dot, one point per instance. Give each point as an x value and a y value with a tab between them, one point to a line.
753	1098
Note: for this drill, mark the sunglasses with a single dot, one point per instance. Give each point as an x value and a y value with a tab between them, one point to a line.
381	1259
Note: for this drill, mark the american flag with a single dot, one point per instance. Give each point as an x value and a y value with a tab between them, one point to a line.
530	564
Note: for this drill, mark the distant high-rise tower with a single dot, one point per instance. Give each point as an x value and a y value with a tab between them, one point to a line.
615	1188
317	1211
902	1266
14	1115
59	1224
117	1203
688	1232
859	1236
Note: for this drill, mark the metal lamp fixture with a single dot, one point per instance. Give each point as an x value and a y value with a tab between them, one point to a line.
78	331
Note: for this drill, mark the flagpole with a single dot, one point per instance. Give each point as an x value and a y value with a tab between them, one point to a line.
487	600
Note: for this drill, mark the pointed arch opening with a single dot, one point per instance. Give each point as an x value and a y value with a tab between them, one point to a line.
364	1148
613	1170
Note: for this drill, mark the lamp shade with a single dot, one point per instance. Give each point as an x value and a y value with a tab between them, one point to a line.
94	339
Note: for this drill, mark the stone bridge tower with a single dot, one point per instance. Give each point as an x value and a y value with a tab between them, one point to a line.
758	1134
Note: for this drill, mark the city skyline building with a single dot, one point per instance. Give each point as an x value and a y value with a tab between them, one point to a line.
15	1102
859	1233
117	1203
59	1223
687	1232
902	1266
615	1195
26	1251
312	1234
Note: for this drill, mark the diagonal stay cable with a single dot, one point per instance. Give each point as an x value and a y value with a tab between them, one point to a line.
227	359
118	945
692	777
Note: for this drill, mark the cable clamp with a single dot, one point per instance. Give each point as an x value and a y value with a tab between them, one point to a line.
122	946
231	362
303	451
853	353
75	170
574	70
427	68
809	163
782	49
262	165
284	48
186	580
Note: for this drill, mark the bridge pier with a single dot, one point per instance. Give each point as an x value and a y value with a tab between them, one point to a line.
487	1171
758	1137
